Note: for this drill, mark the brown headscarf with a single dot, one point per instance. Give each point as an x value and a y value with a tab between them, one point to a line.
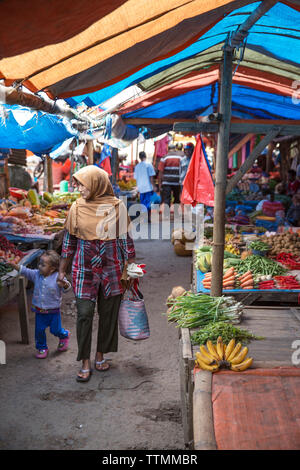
100	217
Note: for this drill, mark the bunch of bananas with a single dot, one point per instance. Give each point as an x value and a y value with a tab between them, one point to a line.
232	249
203	262
230	356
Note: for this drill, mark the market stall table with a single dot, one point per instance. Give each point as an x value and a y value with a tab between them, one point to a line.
14	286
254	296
31	239
280	327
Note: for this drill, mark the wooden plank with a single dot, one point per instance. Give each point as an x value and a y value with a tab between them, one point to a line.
49	174
237	127
23	311
295	312
186	344
203	423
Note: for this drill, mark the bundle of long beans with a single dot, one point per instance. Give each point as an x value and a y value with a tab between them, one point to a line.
226	330
197	310
260	265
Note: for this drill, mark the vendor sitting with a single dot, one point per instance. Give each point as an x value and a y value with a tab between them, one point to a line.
293	182
265	198
281	196
271	207
293	214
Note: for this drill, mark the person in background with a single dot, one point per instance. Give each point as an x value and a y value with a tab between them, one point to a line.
265	197
169	176
293	183
271	207
185	161
144	175
46	301
293	214
281	196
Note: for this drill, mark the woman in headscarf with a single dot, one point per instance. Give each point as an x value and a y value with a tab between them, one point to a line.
96	234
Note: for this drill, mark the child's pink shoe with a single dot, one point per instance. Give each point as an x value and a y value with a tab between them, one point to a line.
64	343
42	354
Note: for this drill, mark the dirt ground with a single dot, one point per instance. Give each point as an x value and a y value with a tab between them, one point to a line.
134	405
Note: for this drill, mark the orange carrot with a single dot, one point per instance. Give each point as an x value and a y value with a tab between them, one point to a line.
246	284
244	275
246	279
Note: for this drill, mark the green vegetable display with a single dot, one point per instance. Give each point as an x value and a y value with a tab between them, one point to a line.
259	245
4	269
197	310
227	330
260	265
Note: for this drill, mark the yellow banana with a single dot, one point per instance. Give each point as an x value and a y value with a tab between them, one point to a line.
201	357
212	368
240	357
234	352
242	366
229	348
212	350
205	353
220	349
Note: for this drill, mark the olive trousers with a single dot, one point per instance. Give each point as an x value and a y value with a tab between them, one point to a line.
107	338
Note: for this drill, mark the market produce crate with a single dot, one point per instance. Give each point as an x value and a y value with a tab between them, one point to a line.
254	296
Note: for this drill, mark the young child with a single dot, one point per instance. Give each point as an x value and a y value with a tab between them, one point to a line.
46	301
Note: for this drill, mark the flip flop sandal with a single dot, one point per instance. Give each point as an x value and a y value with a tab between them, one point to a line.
97	363
84	379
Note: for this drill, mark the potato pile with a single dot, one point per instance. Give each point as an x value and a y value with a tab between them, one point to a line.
283	243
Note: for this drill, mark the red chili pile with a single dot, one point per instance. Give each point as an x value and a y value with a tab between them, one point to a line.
289	260
7	249
267	284
287	282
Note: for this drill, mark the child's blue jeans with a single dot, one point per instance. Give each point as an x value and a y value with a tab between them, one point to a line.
42	321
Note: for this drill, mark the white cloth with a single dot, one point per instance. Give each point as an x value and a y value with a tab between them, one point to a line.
142	173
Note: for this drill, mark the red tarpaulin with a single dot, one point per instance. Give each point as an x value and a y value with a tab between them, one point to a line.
198	186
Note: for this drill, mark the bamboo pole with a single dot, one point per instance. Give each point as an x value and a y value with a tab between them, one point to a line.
49	174
221	174
90	152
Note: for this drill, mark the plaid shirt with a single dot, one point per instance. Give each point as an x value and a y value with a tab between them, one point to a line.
97	262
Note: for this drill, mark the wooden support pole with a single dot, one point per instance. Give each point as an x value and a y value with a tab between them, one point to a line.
71	171
90	151
45	179
221	174
251	159
49	174
269	155
203	421
23	311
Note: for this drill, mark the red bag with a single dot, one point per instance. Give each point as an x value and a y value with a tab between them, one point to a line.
198	186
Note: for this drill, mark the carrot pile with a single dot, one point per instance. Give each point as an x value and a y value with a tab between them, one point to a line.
246	280
231	280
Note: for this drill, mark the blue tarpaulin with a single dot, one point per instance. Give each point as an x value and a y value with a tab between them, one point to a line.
23	128
272	46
